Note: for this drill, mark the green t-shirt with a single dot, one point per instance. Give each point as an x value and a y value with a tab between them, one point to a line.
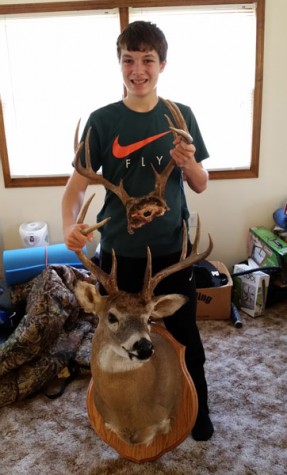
116	145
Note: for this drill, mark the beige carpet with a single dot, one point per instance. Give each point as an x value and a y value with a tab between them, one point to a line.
246	371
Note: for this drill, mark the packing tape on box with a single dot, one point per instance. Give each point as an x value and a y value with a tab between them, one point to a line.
34	233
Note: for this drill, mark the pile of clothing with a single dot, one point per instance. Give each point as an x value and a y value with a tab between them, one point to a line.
54	335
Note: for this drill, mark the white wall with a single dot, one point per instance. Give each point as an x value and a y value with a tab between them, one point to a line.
229	207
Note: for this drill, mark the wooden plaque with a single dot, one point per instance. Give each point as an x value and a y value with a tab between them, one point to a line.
181	427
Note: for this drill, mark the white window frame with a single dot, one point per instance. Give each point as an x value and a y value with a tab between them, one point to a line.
126	14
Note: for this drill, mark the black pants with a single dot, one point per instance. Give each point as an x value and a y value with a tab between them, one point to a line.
182	325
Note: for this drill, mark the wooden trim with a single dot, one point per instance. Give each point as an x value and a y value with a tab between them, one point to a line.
12	9
232	174
3	149
34	182
257	106
124	17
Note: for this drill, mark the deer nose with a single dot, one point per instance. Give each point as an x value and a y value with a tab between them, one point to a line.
144	348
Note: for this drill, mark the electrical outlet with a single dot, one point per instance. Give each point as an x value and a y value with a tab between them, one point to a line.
193	219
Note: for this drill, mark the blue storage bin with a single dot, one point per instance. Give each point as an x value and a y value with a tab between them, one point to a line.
22	265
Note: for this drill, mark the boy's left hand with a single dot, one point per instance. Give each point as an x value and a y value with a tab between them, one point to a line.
183	153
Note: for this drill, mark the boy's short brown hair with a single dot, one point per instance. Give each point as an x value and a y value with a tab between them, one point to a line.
142	36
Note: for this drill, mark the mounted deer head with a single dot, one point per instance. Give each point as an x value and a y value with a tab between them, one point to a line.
136	378
145	209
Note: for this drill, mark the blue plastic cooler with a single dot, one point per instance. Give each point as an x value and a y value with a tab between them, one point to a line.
21	265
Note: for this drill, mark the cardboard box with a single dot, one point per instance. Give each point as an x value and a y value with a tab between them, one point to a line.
250	290
214	303
267	249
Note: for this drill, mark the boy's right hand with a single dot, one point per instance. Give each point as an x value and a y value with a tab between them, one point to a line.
74	239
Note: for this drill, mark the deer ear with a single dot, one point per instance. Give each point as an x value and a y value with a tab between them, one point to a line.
89	297
165	305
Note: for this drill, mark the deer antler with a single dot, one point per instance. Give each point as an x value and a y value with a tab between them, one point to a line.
150	283
182	129
145	209
109	281
88	171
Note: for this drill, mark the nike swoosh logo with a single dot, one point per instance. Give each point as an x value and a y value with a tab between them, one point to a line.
122	151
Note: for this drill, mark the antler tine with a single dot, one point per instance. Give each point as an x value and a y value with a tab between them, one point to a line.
184	241
109	281
82	216
84	210
161	178
76	136
181	129
148	280
177	115
151	283
146	290
88	171
78	147
197	236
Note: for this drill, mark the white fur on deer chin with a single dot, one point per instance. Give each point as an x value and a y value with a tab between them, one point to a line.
110	362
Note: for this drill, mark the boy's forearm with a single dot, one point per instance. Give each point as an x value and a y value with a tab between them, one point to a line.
71	206
196	176
73	199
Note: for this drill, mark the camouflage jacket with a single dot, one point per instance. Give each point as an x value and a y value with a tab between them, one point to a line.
54	332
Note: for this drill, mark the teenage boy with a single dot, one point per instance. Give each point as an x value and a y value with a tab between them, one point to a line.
139	121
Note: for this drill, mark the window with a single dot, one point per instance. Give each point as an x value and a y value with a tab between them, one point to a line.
56	67
210	66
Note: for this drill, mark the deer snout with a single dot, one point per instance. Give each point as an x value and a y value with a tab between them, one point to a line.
144	348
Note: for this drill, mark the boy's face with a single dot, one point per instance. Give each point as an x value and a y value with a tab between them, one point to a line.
140	70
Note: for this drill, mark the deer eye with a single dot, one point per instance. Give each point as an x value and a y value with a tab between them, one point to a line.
112	318
149	321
